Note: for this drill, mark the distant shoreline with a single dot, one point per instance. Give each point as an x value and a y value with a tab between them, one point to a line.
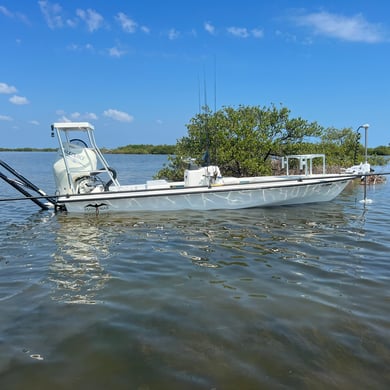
129	149
162	149
28	150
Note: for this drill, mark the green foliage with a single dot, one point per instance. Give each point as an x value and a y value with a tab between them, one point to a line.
142	149
341	147
128	149
240	141
27	149
380	151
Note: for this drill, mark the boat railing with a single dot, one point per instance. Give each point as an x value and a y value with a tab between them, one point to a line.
305	162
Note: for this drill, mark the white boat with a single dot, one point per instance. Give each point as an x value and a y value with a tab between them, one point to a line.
86	183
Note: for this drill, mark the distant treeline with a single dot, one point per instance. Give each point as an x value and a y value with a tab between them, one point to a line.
27	150
379	151
129	149
164	149
142	149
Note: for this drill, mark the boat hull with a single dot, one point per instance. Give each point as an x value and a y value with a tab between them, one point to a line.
259	194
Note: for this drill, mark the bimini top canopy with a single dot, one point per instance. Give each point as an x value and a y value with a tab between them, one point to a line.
72	126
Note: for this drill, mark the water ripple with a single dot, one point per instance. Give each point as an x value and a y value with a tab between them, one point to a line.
288	297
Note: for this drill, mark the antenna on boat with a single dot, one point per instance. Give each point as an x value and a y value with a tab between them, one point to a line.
204	87
206	156
199	96
215	84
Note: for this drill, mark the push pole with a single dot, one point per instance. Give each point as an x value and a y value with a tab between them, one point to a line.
365	127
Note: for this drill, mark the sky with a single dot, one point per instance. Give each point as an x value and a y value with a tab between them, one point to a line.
140	70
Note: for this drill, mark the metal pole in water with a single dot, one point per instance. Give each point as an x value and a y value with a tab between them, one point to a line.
365	127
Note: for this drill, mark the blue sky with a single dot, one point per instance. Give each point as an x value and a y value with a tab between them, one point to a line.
138	70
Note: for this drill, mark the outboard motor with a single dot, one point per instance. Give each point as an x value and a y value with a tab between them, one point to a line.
75	175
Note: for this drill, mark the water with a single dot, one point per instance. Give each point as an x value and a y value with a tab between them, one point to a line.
288	297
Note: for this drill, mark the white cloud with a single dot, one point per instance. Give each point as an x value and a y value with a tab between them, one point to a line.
240	32
257	33
145	29
354	28
5	118
128	24
9	14
63	118
19	100
76	47
5	88
52	14
118	115
33	122
173	34
90	115
243	32
115	52
92	18
86	116
6	12
286	36
72	23
209	28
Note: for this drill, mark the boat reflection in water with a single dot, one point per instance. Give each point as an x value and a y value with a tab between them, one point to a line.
76	269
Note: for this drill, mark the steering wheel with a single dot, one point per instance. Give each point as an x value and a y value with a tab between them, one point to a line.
78	142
